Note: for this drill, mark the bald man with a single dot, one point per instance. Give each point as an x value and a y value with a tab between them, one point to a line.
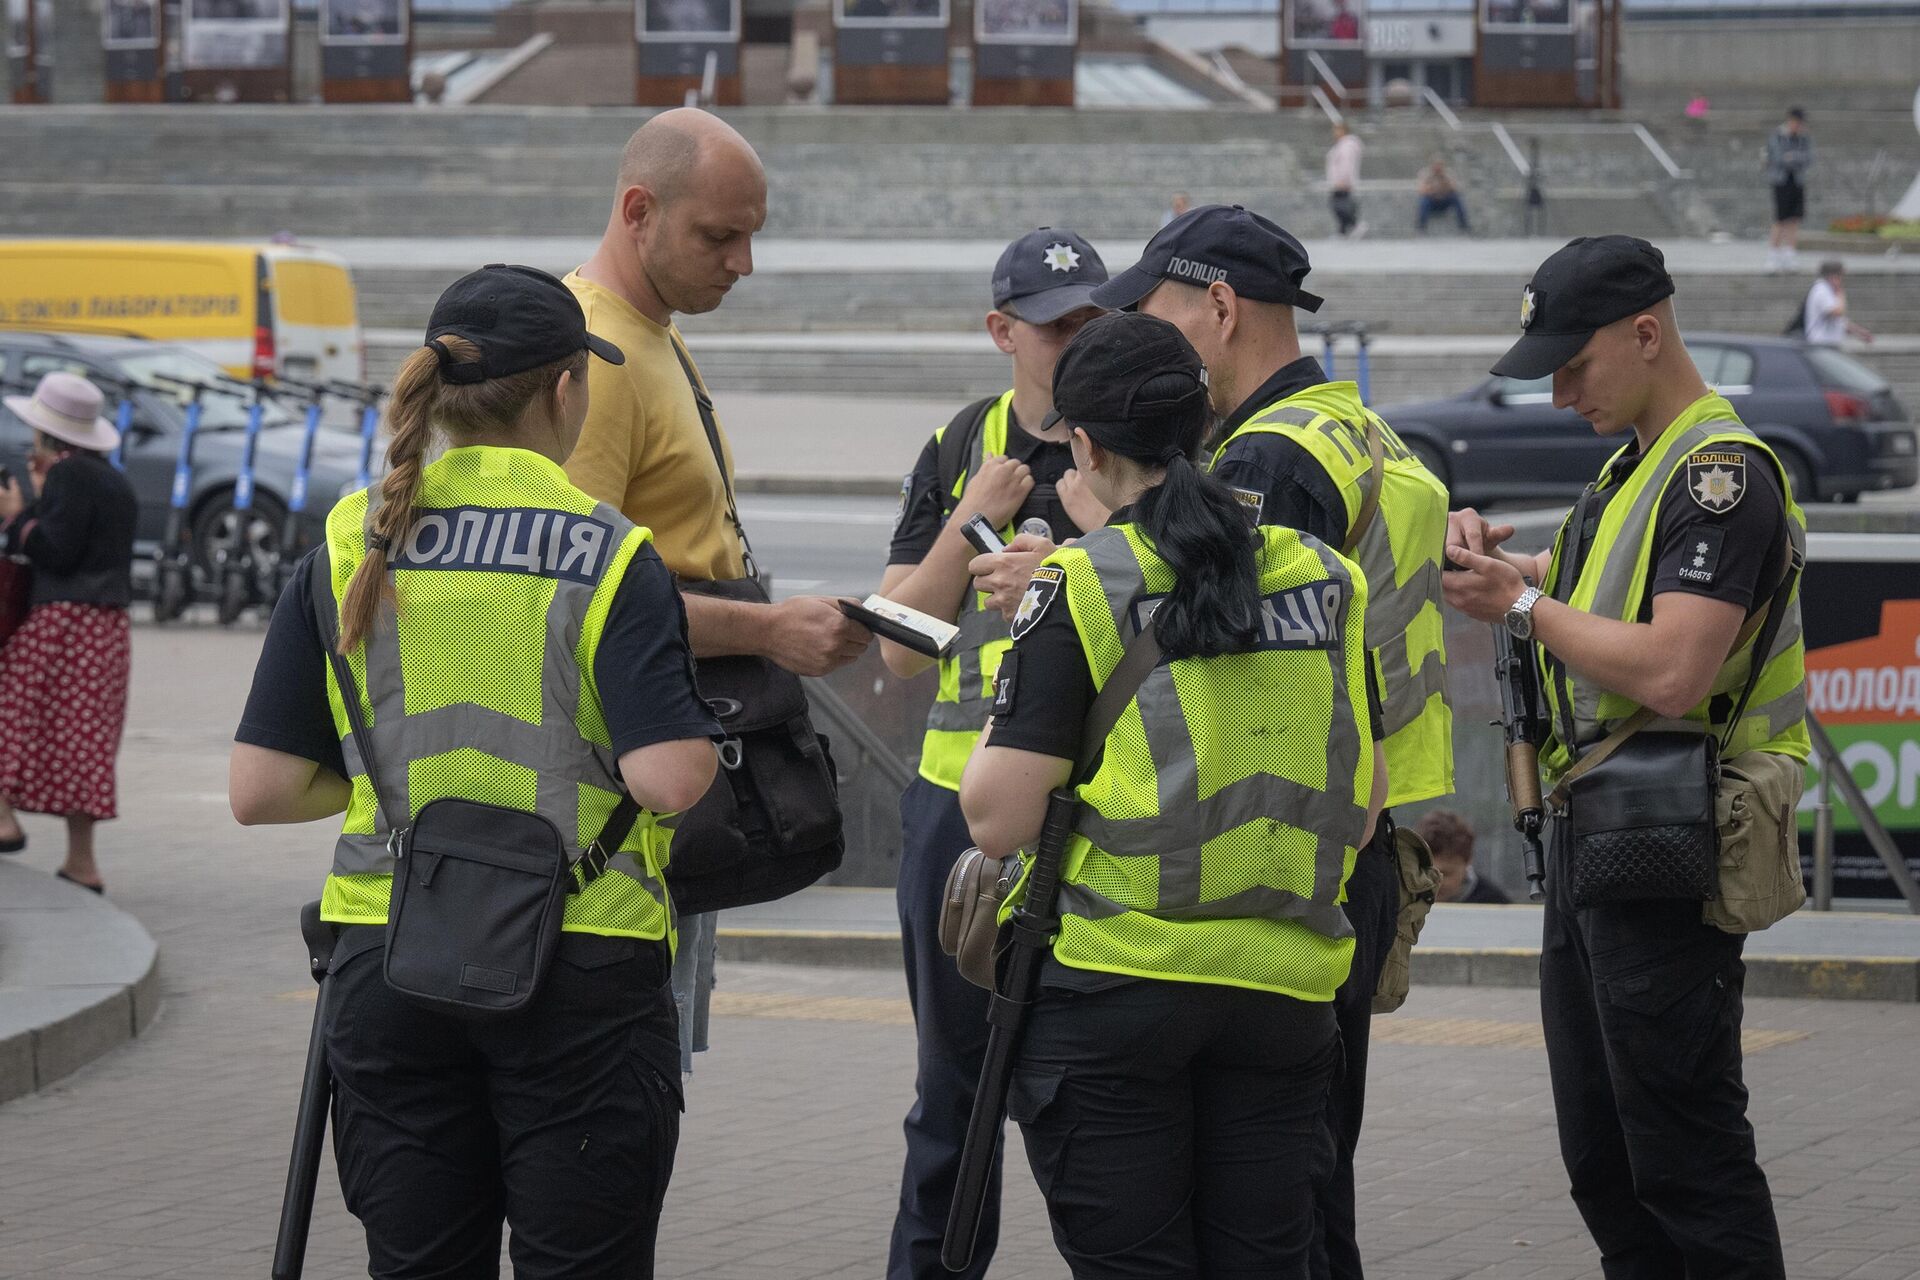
691	195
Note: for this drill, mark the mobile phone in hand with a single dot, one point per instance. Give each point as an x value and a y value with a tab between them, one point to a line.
982	535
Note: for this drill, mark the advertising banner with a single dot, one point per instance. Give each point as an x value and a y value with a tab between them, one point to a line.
235	35
1862	619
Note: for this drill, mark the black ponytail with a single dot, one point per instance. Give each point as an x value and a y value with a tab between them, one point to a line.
1200	529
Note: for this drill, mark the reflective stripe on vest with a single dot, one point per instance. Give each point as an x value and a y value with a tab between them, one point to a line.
472	730
1612	583
1401	553
965	693
1215	839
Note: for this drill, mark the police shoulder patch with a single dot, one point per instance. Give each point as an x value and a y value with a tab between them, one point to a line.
1041	590
1717	479
906	496
1700	555
1251	500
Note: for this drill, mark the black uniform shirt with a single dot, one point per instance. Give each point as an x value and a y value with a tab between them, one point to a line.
643	669
1702	545
923	508
1295	490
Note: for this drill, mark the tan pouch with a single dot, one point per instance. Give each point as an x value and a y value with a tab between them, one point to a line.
970	913
1418	880
1759	842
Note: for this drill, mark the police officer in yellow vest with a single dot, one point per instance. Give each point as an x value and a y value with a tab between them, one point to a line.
1298	452
1001	459
1172	1075
1639	604
522	645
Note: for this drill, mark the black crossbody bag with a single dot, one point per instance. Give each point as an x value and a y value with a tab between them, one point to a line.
771	824
479	890
1642	804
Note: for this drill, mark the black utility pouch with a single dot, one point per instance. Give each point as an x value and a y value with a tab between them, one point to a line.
478	895
1643	822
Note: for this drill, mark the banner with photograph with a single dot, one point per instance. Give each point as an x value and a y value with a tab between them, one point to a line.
235	34
19	38
130	24
891	13
686	21
1326	24
365	22
1026	22
1526	17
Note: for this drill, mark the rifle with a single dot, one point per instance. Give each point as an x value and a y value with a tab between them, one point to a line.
310	1124
1526	728
1031	928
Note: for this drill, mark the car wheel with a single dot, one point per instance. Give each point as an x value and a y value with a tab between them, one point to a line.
220	533
1799	474
1432	459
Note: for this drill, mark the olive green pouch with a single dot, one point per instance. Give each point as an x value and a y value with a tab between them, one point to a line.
1759	842
1417	879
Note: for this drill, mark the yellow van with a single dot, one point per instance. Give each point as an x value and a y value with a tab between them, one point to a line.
257	310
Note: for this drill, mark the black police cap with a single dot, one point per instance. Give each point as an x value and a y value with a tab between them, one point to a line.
1046	274
519	317
1589	284
1134	384
1254	255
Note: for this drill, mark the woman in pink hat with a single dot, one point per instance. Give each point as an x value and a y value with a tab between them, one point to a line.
63	674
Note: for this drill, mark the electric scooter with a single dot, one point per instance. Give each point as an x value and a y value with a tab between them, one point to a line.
173	558
369	400
236	567
290	548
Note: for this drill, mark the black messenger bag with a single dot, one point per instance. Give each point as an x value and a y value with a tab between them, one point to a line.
770	825
479	891
1642	804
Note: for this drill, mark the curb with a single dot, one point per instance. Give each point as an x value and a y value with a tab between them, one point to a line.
1890	978
77	979
819	486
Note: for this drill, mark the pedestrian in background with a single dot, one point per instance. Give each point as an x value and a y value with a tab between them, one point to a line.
1180	203
1824	317
1789	156
1172	1075
1008	459
691	196
63	674
548	676
1438	195
1449	838
1343	177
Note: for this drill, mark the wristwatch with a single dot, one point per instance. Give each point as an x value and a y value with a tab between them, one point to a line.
1520	614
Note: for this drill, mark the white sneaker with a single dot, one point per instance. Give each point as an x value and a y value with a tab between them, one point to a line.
1360	229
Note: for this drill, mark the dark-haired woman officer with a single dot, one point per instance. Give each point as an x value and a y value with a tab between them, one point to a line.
1171	1079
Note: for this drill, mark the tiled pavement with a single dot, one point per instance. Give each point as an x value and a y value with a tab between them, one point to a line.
166	1157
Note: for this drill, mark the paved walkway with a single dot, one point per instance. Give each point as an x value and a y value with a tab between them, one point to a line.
166	1157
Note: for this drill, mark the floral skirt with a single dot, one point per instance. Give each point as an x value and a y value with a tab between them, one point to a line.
63	704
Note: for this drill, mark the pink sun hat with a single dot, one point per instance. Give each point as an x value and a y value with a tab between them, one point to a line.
67	407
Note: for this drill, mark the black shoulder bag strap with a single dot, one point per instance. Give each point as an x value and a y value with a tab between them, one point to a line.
705	404
955	443
592	861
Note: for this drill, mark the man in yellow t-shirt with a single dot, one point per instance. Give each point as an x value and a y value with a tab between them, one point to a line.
691	195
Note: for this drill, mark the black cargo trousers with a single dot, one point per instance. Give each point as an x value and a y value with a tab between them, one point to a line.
1641	1003
560	1121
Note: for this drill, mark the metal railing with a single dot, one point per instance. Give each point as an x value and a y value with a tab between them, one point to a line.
847	726
1440	107
1834	771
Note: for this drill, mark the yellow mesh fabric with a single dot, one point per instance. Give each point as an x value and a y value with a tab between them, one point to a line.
477	637
1268	712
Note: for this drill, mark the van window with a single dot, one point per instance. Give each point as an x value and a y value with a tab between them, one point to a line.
314	294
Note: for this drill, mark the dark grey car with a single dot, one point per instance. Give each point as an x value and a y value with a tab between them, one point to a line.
153	442
1835	424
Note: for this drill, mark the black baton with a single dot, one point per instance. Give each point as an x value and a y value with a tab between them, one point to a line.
310	1123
